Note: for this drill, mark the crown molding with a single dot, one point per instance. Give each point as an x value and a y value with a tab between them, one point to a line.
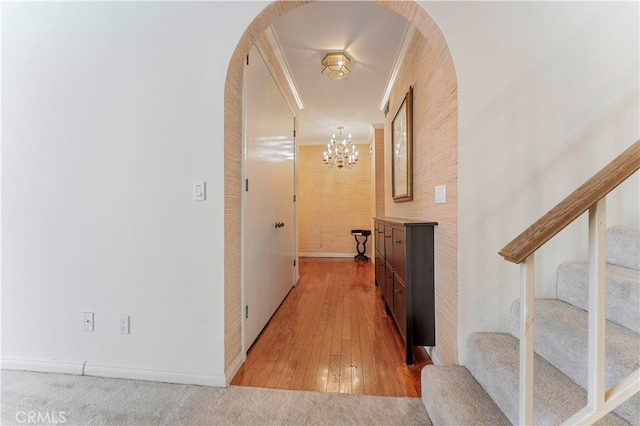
276	49
405	43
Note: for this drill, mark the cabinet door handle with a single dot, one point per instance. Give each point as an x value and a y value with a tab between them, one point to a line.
397	241
397	291
388	276
387	236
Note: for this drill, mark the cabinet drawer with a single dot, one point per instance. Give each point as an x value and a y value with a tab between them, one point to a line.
398	244
400	305
379	237
388	287
380	271
388	245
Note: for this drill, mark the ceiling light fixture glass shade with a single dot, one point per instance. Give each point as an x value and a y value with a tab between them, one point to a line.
336	66
338	152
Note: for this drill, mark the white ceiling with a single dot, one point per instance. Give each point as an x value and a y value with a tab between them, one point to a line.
371	36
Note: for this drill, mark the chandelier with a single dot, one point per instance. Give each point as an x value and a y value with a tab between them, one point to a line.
338	152
336	66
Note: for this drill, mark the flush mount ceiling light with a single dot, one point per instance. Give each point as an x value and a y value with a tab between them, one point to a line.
336	66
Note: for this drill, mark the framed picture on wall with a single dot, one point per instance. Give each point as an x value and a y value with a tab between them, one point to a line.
401	151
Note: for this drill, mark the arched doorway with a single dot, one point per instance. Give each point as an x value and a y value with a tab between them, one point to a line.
233	160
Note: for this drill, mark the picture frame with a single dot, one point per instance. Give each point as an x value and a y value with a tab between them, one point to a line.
402	151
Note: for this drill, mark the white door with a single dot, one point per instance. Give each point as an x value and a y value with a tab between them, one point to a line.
268	239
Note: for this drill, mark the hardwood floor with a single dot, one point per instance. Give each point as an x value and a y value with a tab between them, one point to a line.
331	334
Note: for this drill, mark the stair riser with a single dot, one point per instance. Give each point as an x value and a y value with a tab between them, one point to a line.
623	246
622	292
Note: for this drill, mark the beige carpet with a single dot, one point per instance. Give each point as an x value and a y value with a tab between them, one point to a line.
82	400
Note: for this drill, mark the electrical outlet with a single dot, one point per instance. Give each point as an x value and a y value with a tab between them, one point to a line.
124	324
88	321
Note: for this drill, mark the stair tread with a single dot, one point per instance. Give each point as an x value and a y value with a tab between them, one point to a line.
622	291
493	360
453	397
561	338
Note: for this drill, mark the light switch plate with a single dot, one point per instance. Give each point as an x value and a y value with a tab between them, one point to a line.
441	194
199	191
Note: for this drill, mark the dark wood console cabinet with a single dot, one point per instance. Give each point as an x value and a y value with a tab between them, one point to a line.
404	270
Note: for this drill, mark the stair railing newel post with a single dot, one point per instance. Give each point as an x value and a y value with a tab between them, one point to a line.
527	295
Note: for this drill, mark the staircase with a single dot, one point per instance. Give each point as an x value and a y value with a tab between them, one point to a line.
486	391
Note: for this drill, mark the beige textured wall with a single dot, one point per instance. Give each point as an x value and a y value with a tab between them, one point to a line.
332	202
379	172
429	69
378	175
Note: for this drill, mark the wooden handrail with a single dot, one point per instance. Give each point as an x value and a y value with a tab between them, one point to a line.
579	201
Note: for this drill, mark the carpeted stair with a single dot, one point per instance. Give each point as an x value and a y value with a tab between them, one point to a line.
561	339
454	387
623	291
490	379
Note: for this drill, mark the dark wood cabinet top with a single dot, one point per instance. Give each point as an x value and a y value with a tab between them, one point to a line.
404	222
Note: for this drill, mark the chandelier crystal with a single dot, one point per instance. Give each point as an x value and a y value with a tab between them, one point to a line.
340	152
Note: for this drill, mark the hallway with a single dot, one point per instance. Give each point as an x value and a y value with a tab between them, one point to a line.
331	334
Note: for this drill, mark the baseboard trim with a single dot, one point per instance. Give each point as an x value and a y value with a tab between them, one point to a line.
116	372
234	368
43	365
434	355
351	255
179	377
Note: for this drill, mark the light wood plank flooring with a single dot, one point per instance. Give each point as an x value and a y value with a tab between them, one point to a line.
331	334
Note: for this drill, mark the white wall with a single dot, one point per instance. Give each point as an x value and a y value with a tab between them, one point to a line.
548	94
110	112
